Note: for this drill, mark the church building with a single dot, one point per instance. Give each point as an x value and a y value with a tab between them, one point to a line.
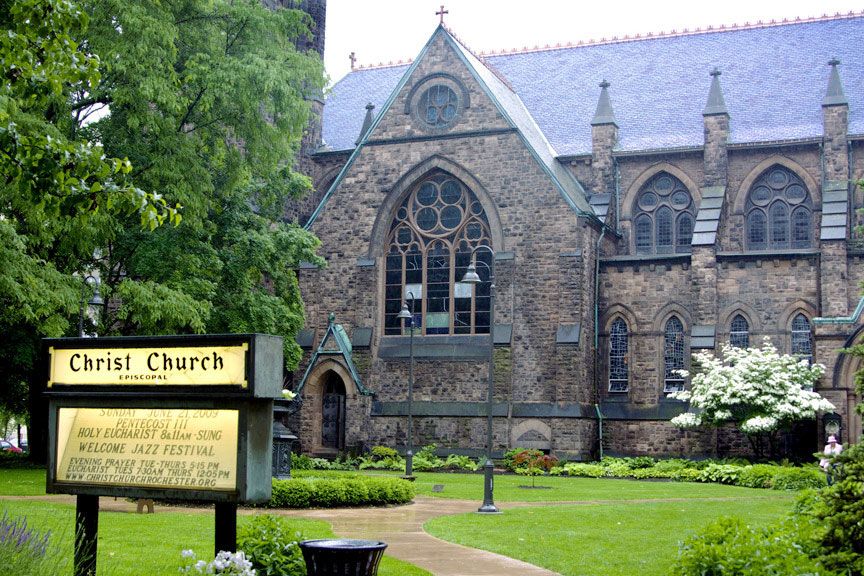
623	203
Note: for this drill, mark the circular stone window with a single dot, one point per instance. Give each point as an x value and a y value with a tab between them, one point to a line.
438	106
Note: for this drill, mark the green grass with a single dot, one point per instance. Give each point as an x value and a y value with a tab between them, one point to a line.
22	482
150	544
619	539
564	489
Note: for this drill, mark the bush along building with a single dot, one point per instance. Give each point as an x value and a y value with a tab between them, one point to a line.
636	200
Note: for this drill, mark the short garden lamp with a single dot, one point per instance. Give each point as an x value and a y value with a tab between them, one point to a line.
406	314
283	439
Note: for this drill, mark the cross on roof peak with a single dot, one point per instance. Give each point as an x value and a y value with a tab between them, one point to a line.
353	59
441	13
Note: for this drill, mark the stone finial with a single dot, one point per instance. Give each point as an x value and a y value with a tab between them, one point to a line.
834	96
716	104
331	318
604	114
353	58
367	122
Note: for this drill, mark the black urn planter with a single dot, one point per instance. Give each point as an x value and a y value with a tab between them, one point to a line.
342	557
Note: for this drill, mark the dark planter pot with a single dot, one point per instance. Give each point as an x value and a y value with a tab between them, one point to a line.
342	557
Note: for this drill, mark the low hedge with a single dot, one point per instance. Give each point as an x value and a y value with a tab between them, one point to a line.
734	472
320	492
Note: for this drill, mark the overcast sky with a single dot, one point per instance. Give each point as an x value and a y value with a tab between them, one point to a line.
391	30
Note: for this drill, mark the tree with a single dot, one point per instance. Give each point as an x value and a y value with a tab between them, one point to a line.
57	190
757	389
209	100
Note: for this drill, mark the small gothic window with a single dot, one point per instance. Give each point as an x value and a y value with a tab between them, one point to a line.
438	106
432	236
739	332
776	194
618	359
664	214
802	338
673	355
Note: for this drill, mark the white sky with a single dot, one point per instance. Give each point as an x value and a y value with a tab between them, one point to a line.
391	30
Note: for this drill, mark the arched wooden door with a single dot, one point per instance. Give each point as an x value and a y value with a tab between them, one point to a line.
333	412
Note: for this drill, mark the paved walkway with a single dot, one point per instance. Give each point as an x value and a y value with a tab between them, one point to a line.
401	527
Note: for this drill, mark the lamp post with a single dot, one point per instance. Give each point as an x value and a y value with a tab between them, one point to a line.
96	300
471	277
405	314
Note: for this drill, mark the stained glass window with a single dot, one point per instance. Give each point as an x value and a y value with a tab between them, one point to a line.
673	355
431	239
663	216
776	194
618	358
802	338
739	332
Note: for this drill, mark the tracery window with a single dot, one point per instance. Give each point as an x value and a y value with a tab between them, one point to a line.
431	239
739	332
778	212
673	355
664	216
802	338
618	358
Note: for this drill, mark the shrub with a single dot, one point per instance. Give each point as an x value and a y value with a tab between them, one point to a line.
533	463
509	456
270	544
615	467
757	476
300	462
383	453
722	473
579	469
686	475
24	550
728	546
457	462
310	492
788	478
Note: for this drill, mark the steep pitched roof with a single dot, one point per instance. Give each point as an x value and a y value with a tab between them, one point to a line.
774	79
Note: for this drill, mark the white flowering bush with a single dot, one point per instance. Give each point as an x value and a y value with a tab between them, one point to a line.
758	389
225	564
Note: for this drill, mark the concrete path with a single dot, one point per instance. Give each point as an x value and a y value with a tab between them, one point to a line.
401	528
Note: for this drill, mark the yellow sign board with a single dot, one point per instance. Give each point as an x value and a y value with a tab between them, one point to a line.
177	366
151	448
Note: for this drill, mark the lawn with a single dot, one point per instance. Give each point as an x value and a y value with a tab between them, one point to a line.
150	544
595	526
617	539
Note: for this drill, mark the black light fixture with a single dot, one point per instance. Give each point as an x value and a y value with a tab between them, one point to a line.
95	300
471	277
406	314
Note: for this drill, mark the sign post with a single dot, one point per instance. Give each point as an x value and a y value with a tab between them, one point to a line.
172	417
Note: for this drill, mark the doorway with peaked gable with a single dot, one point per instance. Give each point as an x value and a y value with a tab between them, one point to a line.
332	412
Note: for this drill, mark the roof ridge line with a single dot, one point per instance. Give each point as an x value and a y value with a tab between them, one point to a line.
497	73
672	34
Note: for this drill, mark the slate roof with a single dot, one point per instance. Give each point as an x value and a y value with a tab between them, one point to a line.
774	80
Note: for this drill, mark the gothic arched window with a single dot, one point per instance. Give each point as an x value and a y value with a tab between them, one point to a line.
618	358
429	248
802	338
776	194
664	215
739	332
673	355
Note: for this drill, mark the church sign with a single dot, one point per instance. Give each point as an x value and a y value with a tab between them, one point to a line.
162	417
